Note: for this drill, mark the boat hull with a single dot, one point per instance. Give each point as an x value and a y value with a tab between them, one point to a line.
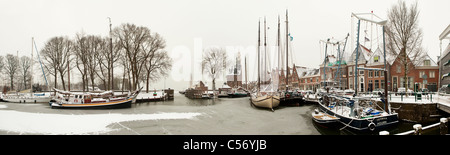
266	101
368	124
109	105
236	95
27	100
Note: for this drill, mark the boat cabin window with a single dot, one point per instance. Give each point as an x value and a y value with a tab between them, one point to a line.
76	96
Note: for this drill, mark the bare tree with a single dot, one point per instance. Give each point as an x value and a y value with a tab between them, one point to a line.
214	63
81	57
25	70
56	54
404	37
2	65
93	51
11	68
104	59
158	62
132	40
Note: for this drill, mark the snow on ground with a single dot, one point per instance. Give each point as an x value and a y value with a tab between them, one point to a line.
3	106
38	123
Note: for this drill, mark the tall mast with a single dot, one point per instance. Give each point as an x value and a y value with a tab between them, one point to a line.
245	63
287	51
68	73
356	58
325	65
265	51
111	57
259	44
279	49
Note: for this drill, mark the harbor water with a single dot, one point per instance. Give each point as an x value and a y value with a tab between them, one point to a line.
181	116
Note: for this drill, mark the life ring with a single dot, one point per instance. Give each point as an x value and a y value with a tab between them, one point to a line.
76	100
287	95
371	126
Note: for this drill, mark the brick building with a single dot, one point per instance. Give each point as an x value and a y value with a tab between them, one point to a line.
422	73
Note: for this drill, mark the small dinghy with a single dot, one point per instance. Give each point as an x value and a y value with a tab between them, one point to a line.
323	118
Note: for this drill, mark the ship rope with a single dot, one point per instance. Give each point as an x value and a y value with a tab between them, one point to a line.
346	125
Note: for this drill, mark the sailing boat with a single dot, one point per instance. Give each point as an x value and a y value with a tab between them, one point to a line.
288	97
266	98
359	113
102	100
24	97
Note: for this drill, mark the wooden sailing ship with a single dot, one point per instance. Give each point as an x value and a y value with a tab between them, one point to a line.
102	100
266	98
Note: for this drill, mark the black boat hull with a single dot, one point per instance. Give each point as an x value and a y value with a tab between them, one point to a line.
237	95
368	124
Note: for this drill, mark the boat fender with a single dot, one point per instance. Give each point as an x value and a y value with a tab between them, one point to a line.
371	126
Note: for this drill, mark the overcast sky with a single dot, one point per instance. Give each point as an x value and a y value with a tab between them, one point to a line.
186	24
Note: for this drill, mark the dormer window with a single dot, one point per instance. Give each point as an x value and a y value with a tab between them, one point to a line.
426	63
376	58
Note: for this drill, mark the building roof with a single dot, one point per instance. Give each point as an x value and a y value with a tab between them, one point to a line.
364	55
307	72
427	58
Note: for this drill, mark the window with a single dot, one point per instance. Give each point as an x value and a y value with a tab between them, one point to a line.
350	72
399	69
402	82
421	74
370	73
431	74
361	72
394	82
350	82
382	84
377	73
426	63
375	58
410	82
382	73
377	84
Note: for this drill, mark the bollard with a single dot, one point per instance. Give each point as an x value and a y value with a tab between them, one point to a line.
384	133
443	127
417	129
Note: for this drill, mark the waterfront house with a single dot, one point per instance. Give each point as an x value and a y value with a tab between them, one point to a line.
444	60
